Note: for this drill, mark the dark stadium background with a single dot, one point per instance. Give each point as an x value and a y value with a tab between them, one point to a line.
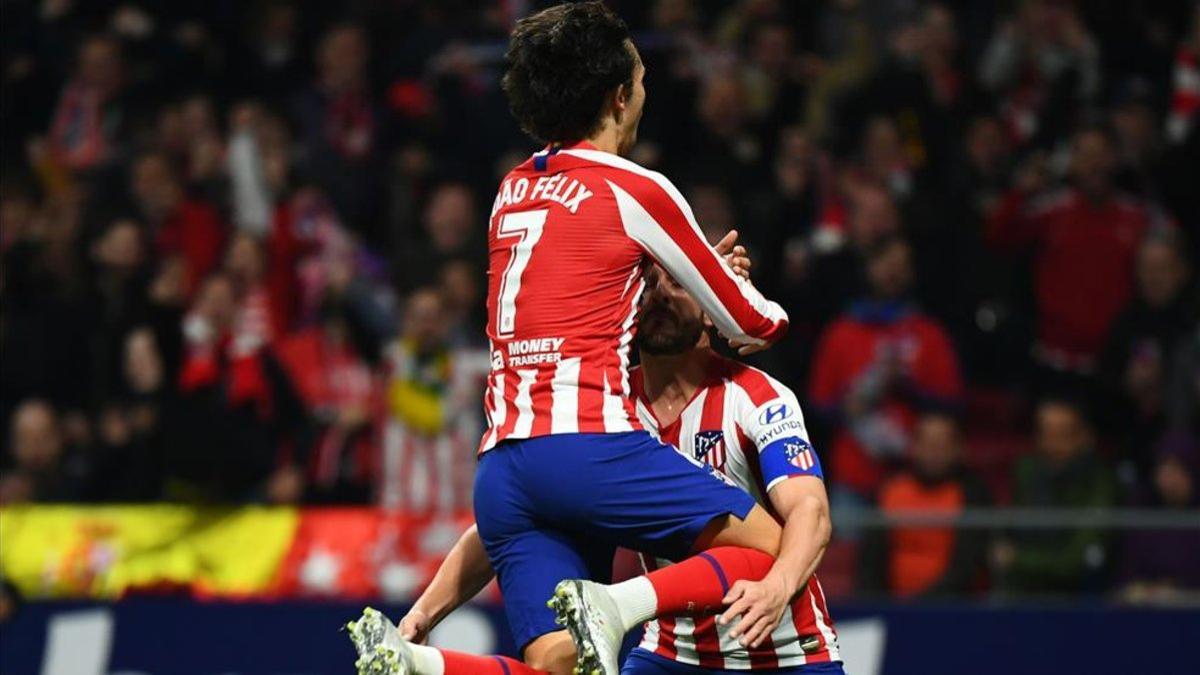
243	258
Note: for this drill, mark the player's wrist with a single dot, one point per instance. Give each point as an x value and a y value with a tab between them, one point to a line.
783	576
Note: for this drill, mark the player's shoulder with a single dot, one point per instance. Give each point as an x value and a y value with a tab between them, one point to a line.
754	383
626	174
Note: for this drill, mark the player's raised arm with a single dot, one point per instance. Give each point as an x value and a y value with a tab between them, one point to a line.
655	215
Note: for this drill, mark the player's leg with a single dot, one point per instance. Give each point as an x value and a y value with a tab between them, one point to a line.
698	585
530	559
646	495
382	651
549	653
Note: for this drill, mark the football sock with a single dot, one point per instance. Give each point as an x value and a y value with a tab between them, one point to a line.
694	586
433	661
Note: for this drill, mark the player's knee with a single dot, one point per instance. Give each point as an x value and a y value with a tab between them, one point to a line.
553	653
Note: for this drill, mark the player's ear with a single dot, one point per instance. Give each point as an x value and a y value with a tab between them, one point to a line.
620	98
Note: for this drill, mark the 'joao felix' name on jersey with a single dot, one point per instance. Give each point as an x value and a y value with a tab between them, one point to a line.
557	188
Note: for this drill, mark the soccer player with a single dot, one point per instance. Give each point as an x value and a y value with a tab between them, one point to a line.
567	471
740	422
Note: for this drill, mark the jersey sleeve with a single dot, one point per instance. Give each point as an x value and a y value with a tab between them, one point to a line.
769	415
656	216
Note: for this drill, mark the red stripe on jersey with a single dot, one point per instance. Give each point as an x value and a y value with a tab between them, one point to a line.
540	395
591	397
756	385
508	393
708	643
764	658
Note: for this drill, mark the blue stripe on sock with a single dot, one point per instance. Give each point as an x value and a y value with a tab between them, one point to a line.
717	568
502	665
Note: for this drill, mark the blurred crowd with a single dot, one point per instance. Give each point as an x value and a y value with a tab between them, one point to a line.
244	252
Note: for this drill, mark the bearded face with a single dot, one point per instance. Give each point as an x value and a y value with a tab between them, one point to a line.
670	321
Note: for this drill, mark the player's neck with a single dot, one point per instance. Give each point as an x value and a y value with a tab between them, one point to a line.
670	380
607	139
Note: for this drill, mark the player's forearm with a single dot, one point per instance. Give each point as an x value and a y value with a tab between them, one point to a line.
806	533
464	572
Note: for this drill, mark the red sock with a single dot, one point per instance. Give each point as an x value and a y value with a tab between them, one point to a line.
697	585
458	663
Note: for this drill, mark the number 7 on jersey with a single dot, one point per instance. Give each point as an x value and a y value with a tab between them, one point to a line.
526	228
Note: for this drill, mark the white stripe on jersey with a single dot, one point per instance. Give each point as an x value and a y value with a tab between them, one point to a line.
564	397
822	625
627	334
614	411
524	404
786	641
685	645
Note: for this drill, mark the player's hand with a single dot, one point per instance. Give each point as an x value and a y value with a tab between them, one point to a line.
747	348
415	626
735	256
760	604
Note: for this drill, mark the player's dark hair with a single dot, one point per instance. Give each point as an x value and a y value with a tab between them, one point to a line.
562	63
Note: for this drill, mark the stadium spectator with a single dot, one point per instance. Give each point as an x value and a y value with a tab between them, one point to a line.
91	116
911	562
1160	565
1044	65
462	291
340	125
875	369
40	466
179	226
1074	231
1142	344
432	422
1064	472
126	456
239	431
452	230
341	393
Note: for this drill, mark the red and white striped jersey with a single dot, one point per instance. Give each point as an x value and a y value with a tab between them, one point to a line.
737	412
569	234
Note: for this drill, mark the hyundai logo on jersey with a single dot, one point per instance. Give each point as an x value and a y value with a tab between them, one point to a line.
775	413
799	454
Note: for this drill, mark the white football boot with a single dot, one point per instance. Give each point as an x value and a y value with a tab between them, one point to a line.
381	650
591	617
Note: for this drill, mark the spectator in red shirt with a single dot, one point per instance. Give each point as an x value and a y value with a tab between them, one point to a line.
1084	239
926	561
341	394
181	227
876	368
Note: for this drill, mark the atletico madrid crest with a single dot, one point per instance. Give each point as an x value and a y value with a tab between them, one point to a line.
799	454
709	448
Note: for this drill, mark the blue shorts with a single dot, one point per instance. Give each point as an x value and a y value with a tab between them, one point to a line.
642	662
556	507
